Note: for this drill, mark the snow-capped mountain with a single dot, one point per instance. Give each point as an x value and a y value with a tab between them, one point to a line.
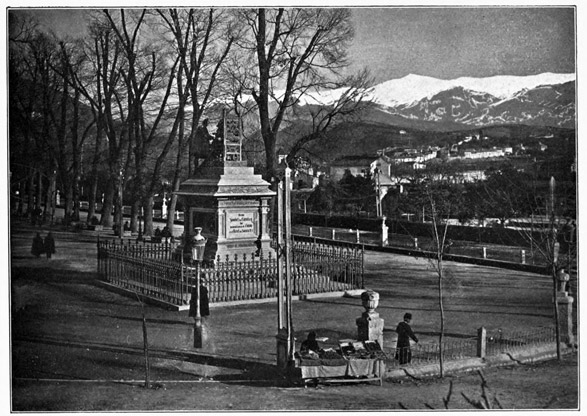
546	99
412	87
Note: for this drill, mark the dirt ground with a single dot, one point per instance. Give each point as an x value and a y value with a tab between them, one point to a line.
549	385
76	346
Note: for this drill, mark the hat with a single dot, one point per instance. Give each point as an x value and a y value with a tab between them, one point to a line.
407	316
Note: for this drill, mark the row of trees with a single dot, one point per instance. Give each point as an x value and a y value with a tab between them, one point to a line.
117	109
507	193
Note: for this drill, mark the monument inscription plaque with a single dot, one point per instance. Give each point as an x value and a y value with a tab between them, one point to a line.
241	225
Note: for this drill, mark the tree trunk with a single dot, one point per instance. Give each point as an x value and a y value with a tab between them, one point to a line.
135	211
171	212
21	192
50	198
441	308
92	200
39	194
69	203
31	192
270	158
108	204
148	216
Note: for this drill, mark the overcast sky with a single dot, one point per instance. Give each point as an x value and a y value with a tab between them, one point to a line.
447	42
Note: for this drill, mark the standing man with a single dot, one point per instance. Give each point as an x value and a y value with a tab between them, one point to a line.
37	248
404	331
49	244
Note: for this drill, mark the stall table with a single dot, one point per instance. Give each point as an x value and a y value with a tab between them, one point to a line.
341	370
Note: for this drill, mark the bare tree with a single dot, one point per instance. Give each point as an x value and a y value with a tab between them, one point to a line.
202	40
287	54
440	210
104	96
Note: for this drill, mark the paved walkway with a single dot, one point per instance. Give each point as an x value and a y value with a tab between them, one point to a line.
56	304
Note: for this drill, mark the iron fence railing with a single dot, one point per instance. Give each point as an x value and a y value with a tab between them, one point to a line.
156	278
498	342
422	354
505	342
153	270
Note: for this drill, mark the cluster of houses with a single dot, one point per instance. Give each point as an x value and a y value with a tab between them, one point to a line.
393	168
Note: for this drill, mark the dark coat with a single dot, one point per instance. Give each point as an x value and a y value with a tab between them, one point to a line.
310	344
38	247
49	244
404	333
204	302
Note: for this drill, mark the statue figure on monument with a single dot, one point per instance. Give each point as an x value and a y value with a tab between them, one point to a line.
216	149
202	140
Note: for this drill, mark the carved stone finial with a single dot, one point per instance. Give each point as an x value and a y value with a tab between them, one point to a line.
370	300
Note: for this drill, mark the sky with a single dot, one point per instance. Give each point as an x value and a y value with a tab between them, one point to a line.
449	43
441	42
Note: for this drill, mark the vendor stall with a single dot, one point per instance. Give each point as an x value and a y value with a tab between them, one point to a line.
353	362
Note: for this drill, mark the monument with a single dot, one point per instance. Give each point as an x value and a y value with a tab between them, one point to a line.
564	304
227	199
370	325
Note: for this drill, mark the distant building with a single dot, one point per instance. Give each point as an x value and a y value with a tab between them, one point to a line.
356	165
482	153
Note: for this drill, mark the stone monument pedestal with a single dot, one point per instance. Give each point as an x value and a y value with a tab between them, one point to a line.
231	204
565	317
370	325
370	328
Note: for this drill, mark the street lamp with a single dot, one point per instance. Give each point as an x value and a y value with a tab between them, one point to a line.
140	237
198	244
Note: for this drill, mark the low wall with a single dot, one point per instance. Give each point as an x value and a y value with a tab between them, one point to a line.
489	235
448	257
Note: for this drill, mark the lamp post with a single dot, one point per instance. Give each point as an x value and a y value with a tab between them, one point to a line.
140	237
198	246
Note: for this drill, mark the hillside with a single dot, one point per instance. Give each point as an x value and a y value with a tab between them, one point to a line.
366	137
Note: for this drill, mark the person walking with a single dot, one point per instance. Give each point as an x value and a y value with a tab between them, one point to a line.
38	247
403	351
49	245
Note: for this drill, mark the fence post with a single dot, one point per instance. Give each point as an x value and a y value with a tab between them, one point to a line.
384	233
310	231
333	234
415	243
523	253
358	236
484	252
481	342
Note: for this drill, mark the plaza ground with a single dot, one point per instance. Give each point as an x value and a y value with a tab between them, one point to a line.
79	347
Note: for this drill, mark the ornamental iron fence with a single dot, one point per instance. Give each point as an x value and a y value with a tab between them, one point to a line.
158	271
498	342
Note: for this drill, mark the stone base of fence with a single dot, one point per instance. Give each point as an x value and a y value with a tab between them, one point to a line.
524	356
173	307
143	297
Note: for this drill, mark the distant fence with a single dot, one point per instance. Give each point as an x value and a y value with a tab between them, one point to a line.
487	235
154	271
522	255
493	344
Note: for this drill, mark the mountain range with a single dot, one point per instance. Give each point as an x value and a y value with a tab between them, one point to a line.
417	101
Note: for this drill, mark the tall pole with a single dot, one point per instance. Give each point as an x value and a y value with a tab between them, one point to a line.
198	317
553	242
120	209
288	255
280	277
378	195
